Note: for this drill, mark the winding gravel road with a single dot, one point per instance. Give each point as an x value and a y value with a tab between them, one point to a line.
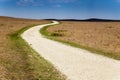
75	63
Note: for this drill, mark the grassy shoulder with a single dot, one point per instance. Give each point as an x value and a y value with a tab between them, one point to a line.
36	67
54	36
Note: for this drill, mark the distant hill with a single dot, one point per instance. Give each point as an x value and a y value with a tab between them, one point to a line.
99	20
89	20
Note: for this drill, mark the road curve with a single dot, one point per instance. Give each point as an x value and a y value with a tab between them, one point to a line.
75	63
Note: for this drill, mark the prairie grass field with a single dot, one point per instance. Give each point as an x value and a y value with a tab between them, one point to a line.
17	60
98	37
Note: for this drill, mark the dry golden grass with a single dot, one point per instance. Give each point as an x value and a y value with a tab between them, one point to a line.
102	36
15	63
11	61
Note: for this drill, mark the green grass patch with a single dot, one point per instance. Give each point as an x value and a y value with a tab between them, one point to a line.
48	35
56	34
35	65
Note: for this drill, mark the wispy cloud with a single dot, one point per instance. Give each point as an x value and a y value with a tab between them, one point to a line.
29	3
25	2
4	0
62	1
42	2
117	1
57	6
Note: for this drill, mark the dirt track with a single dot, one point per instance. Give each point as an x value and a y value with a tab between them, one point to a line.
75	63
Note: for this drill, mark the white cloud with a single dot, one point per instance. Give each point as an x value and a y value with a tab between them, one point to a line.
57	5
42	2
4	0
62	1
118	0
29	2
25	2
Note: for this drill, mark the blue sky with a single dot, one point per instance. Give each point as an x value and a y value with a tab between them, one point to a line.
61	9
